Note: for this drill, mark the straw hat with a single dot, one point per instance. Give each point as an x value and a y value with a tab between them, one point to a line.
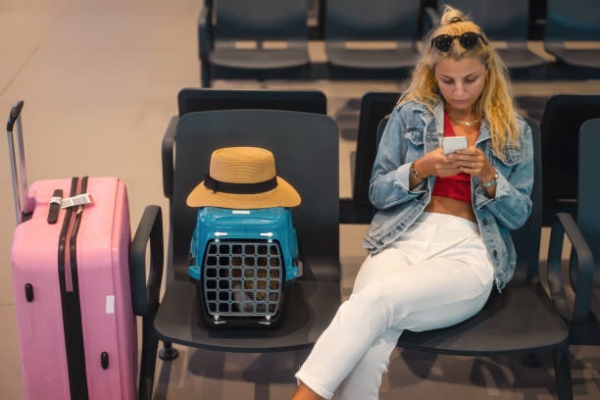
243	178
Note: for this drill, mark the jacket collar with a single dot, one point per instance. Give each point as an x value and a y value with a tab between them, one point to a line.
484	131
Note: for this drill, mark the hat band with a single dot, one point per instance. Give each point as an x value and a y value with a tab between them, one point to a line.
240	188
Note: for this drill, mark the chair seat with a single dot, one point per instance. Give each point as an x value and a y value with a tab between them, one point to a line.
376	59
260	59
310	307
587	58
520	57
519	319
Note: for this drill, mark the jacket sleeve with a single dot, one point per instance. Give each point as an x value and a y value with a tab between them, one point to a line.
512	204
389	185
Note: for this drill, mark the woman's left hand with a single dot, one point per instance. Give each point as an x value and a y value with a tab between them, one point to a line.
472	161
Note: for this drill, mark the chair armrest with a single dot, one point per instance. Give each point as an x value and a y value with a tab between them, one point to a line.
430	19
168	143
145	295
564	223
205	34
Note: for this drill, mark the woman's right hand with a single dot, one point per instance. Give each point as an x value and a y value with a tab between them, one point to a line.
437	164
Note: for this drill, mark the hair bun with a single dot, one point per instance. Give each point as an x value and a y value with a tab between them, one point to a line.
451	15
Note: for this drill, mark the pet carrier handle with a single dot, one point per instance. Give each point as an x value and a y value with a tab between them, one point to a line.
17	161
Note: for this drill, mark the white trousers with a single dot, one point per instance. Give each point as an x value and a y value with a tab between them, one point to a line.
435	276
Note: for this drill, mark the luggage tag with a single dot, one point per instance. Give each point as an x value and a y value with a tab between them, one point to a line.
79	200
57	203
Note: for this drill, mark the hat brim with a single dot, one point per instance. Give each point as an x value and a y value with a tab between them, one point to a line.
284	195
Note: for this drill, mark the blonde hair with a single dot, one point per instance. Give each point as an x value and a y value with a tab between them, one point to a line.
495	103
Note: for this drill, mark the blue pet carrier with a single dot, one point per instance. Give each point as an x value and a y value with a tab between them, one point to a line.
241	262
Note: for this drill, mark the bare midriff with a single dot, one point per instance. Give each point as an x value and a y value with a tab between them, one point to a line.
446	205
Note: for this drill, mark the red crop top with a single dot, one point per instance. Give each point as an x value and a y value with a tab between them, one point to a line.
456	186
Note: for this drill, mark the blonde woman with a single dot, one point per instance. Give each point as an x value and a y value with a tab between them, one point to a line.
440	240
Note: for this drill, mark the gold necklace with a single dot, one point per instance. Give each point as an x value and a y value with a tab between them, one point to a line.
464	123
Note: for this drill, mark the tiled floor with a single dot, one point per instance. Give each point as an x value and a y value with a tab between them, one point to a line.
100	79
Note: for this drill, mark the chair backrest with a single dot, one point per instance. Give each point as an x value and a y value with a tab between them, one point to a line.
393	20
506	20
572	20
193	99
261	19
563	116
527	238
588	217
306	149
373	107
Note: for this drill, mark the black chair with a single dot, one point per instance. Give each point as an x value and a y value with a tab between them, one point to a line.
506	22
582	269
574	21
373	107
372	39
260	39
306	149
563	116
504	325
522	319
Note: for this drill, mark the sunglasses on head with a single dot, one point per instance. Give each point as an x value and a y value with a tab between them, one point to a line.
468	40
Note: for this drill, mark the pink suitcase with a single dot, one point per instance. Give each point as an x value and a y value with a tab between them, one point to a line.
76	327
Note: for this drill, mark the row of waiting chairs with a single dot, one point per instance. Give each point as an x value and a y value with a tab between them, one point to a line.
524	319
561	119
268	39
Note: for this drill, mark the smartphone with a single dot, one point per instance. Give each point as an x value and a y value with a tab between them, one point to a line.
453	143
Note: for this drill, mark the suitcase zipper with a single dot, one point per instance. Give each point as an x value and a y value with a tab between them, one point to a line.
67	268
63	255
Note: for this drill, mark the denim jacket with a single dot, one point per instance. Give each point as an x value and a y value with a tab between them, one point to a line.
413	130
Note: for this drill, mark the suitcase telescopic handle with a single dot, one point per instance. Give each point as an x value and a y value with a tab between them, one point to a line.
15	113
17	161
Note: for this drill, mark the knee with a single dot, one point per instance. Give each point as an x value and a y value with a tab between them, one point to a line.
374	302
